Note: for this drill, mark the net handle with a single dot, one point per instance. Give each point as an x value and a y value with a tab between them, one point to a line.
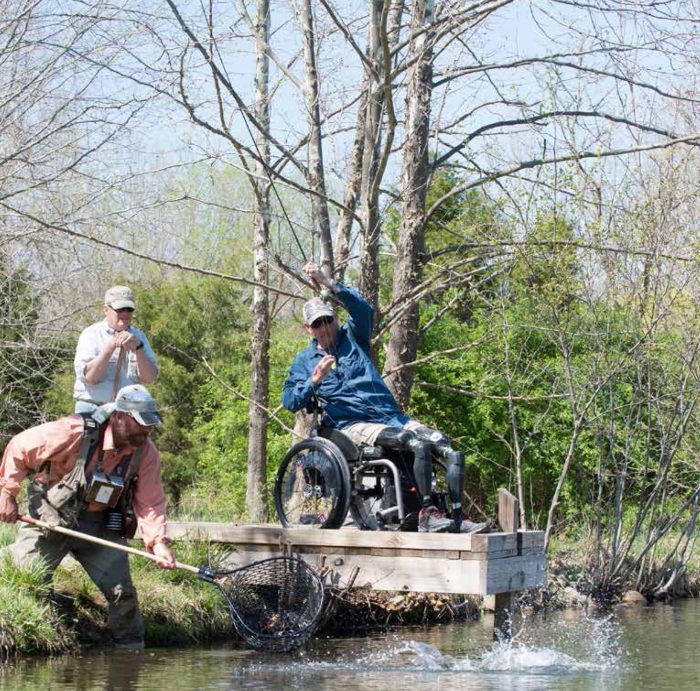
105	543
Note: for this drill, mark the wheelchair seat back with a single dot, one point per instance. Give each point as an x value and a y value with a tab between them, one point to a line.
347	447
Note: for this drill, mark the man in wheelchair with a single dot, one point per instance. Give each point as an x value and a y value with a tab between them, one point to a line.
336	371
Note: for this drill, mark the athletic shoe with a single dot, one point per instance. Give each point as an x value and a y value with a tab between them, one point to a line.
470	527
430	520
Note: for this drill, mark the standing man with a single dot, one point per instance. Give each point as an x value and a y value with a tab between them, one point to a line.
119	454
337	369
111	354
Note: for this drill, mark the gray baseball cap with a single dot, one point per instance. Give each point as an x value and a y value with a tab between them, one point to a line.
135	400
315	308
120	297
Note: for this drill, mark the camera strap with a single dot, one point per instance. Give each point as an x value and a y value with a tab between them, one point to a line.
132	473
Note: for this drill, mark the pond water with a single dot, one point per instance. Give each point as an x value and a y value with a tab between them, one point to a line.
632	648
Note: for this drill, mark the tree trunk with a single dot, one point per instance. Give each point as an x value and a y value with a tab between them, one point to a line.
353	187
256	492
317	181
363	168
369	252
415	175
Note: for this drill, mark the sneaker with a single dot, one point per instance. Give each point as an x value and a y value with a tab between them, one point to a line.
430	520
470	527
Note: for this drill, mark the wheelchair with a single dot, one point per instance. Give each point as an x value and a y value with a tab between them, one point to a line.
326	476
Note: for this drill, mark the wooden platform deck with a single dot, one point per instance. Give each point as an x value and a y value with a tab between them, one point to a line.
447	563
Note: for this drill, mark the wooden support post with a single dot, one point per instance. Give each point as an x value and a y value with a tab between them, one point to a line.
508	511
503	616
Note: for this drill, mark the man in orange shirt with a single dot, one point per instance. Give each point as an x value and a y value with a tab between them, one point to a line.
49	453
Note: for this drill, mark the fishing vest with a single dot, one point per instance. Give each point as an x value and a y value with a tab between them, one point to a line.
63	503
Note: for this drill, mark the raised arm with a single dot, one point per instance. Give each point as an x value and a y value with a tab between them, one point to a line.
360	311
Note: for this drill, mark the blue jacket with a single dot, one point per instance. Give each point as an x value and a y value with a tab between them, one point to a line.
354	391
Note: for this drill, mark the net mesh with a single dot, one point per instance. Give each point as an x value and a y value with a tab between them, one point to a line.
275	604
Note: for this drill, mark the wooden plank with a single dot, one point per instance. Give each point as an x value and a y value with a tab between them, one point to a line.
529	539
402	573
475	577
272	534
490	545
515	573
530	542
495	545
508	511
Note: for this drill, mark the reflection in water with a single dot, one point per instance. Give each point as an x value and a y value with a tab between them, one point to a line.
639	647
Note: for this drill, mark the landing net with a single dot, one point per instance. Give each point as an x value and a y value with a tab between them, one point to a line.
275	604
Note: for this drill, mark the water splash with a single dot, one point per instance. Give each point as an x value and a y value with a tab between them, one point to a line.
426	656
582	644
560	647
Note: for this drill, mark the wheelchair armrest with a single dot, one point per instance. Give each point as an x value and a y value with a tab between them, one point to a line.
342	441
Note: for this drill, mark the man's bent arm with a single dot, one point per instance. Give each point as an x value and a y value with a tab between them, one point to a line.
147	370
298	389
360	311
95	370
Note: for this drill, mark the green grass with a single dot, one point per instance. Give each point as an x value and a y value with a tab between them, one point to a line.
28	620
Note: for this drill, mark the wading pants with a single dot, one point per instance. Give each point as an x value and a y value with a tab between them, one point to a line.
108	568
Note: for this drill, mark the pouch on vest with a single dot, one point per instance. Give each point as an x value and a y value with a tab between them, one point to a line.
61	504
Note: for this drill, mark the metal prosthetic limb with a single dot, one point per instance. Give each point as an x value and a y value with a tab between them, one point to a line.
401	439
454	460
454	477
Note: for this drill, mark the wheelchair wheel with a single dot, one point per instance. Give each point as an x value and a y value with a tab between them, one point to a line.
312	489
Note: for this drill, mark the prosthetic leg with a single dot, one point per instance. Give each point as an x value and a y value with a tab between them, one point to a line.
403	440
430	519
454	476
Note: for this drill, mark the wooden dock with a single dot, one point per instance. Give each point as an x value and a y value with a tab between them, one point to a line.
486	564
496	563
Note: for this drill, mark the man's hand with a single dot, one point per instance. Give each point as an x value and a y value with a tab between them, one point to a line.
127	340
165	557
318	276
8	508
322	369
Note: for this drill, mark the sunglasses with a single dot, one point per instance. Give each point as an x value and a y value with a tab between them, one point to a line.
122	309
321	321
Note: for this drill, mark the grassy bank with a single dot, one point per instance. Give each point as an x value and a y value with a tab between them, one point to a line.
38	619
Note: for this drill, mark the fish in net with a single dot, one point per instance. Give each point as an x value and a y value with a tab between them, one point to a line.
275	604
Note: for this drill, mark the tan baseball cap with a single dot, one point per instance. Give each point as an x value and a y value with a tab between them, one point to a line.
120	297
315	308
